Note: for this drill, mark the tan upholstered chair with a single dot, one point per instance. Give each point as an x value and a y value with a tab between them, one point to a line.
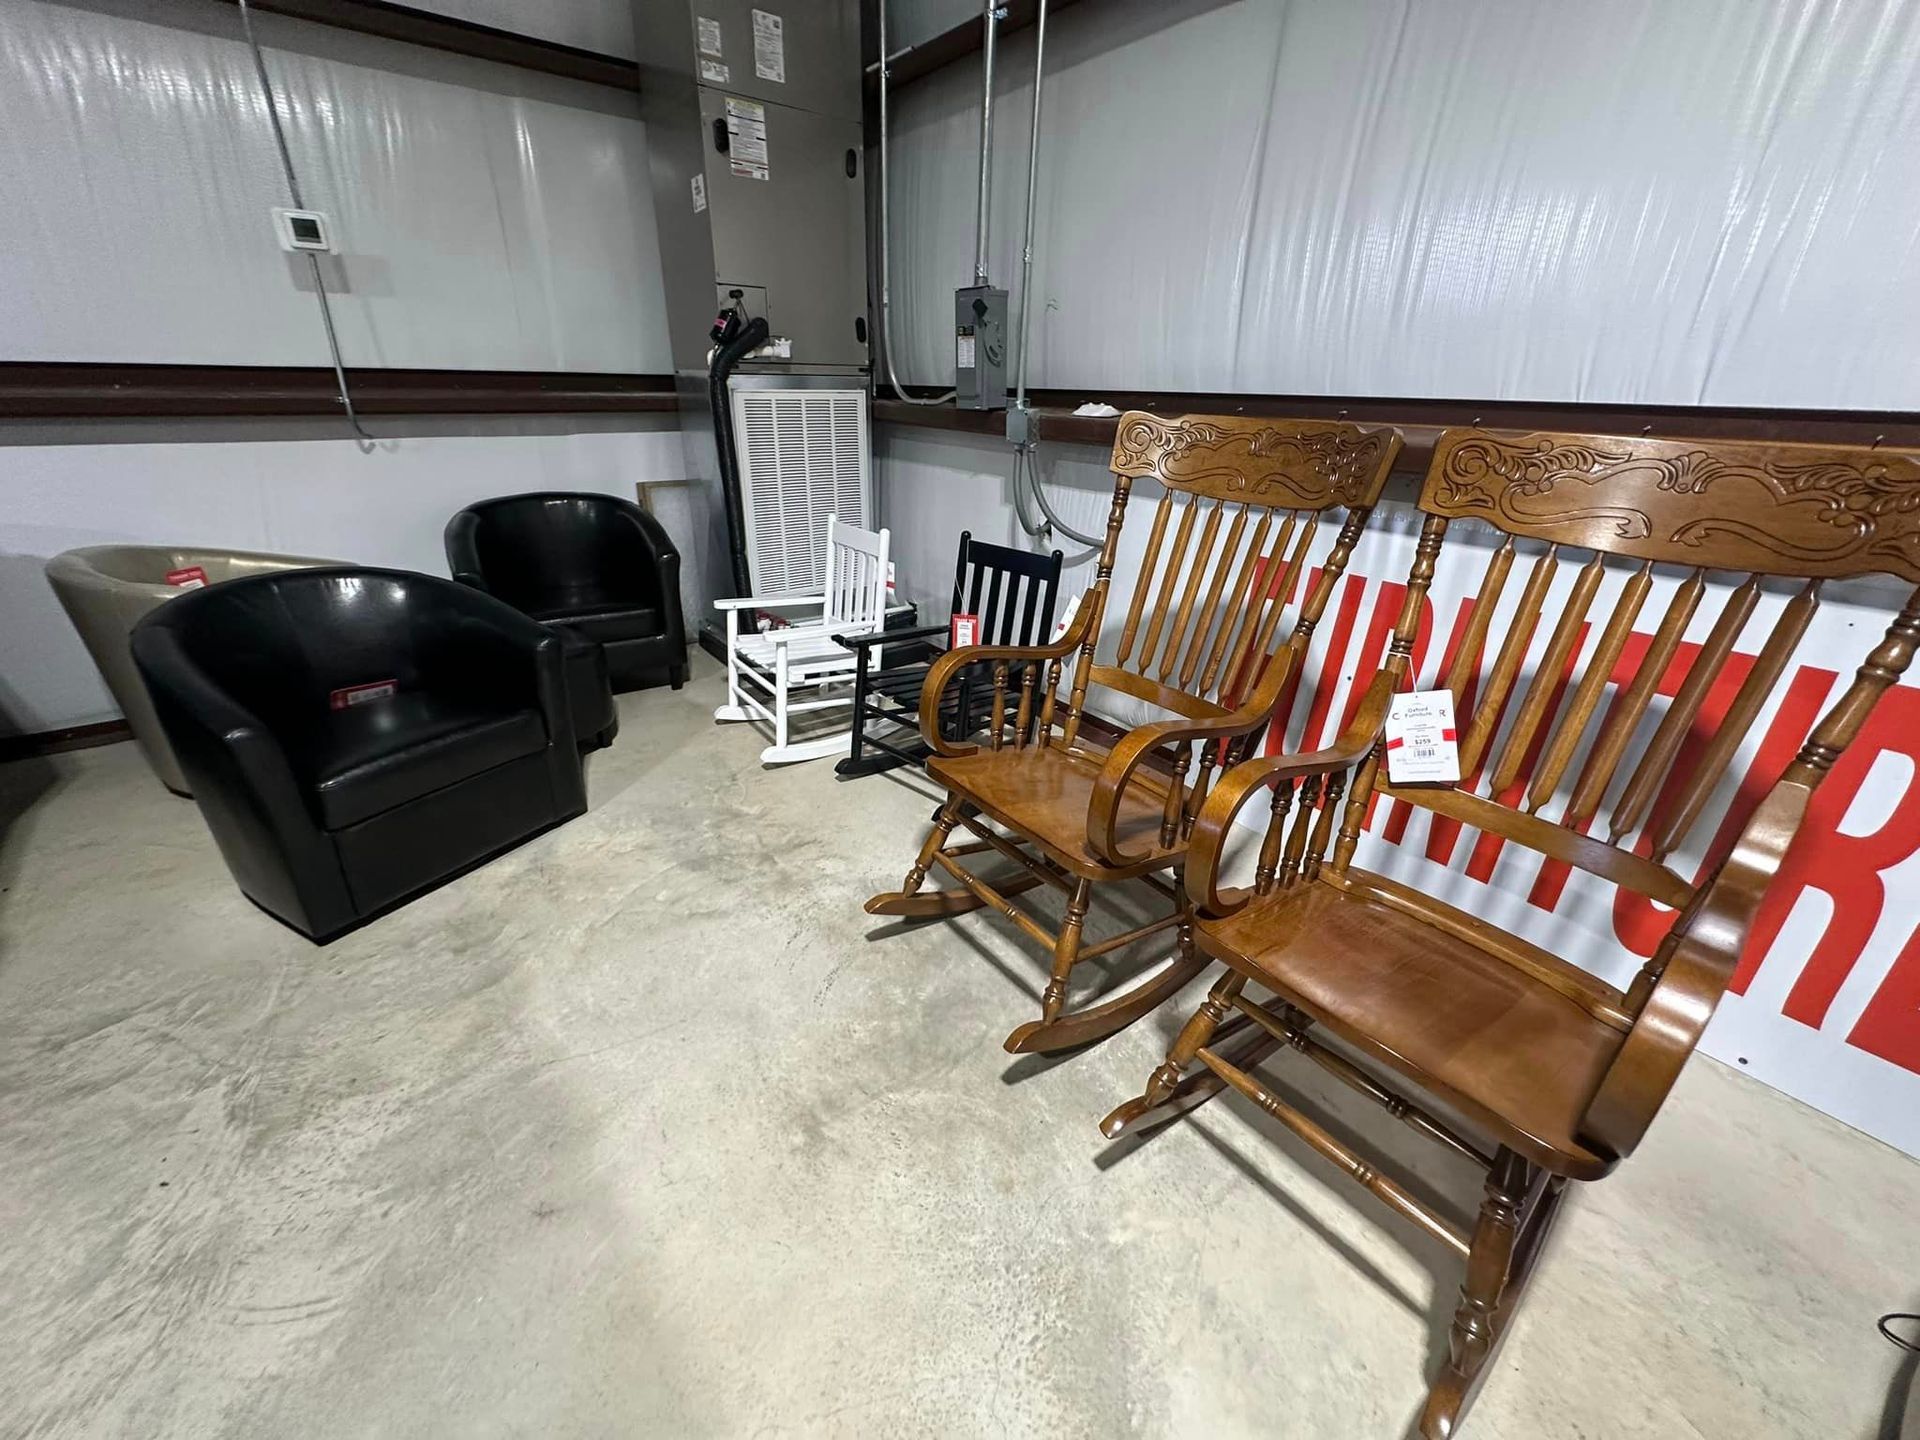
105	589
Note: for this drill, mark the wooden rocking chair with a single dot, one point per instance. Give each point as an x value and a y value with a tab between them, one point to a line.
1242	508
1560	1072
808	655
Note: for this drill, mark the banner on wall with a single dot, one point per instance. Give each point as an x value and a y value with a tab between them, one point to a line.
1825	1005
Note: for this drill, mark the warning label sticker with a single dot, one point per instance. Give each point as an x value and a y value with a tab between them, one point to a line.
709	33
714	73
769	47
747	138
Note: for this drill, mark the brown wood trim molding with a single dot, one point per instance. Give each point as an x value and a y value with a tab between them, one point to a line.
56	742
35	390
1421	419
462	37
964	39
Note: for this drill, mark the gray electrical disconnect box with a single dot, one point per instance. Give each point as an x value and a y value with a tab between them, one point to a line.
754	136
980	348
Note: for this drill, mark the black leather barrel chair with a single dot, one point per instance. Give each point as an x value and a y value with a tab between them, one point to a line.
600	566
354	737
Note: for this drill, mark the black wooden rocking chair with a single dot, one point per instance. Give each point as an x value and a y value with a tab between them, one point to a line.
1012	592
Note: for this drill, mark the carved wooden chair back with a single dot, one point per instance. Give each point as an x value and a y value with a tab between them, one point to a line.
1228	552
1529	676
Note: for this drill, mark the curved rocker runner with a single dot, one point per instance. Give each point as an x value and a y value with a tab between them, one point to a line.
1225	558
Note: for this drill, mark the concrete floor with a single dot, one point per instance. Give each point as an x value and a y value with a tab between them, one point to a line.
647	1129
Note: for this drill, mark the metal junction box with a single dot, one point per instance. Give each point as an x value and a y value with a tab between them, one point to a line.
753	117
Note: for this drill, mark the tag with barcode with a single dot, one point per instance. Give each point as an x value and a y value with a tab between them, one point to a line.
1421	743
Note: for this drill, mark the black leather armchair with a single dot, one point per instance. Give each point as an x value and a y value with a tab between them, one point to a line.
600	566
331	800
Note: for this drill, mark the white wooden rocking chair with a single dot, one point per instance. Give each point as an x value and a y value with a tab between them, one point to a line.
806	656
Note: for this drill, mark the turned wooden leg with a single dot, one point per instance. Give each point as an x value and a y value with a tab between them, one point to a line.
1066	950
943	823
1193	1035
1477	1319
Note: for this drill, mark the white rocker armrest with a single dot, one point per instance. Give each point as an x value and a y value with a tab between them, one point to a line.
769	602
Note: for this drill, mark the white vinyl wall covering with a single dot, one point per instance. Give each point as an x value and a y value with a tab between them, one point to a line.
289	486
1704	202
602	25
480	227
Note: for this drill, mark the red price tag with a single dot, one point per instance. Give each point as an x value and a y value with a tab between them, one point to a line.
347	696
965	630
190	577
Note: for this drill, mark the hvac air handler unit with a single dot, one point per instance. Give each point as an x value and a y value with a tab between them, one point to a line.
755	137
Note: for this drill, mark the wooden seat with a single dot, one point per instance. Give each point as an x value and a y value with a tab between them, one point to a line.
1044	795
1226	558
1555	1073
1517	1055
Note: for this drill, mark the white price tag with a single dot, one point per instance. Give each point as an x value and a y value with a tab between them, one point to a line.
1421	742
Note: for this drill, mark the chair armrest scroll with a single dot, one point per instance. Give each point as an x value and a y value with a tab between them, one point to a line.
1211	827
948	665
1127	755
1704	946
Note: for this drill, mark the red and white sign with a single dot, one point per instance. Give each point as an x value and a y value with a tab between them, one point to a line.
965	630
1826	1003
188	577
348	696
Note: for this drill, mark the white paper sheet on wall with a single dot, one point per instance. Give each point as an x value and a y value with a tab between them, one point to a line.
747	138
769	47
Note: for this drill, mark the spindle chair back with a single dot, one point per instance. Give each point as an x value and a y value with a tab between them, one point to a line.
1010	593
1561	1071
1205	639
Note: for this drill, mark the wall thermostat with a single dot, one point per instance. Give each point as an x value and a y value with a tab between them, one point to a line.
303	230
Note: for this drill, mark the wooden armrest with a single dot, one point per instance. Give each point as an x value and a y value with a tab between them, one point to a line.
942	673
1215	820
1705	946
1132	749
768	602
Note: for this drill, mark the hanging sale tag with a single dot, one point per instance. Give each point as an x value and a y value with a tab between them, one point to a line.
1421	743
964	630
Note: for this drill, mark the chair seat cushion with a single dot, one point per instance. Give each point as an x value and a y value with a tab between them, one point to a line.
1043	794
606	623
1516	1054
369	758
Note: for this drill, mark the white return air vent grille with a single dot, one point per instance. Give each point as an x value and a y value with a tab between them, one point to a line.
803	456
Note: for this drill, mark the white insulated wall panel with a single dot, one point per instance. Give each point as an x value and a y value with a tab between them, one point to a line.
482	225
1707	202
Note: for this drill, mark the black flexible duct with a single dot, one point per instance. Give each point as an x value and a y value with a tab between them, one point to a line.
751	336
